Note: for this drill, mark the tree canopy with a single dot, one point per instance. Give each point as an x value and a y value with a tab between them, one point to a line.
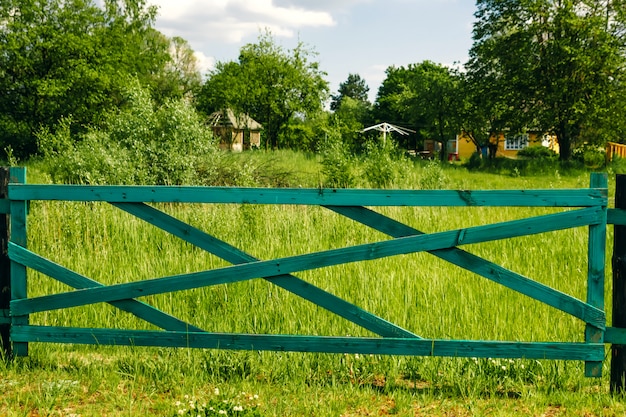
424	97
269	83
71	58
554	67
354	87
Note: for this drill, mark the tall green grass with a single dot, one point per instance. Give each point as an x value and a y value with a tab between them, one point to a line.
419	292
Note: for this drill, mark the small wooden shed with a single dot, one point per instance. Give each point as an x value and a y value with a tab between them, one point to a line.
236	132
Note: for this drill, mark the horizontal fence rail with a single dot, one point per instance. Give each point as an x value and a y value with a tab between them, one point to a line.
580	208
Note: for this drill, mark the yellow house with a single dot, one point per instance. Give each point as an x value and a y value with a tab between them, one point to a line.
235	132
508	145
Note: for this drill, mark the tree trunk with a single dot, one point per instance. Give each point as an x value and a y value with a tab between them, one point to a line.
565	145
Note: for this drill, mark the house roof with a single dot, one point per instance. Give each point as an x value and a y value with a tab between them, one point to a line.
229	119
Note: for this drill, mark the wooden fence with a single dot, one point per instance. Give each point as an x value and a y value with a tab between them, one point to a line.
613	149
586	207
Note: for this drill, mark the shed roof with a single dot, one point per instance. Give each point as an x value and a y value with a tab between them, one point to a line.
228	118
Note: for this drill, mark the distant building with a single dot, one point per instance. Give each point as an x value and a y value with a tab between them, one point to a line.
508	144
236	132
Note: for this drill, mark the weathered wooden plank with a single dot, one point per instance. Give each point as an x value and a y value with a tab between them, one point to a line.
290	283
313	196
596	253
615	336
18	272
5	268
330	344
315	260
616	216
482	267
73	279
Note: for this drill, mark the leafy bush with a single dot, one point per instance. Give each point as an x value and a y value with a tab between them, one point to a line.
591	156
475	161
432	177
336	162
141	143
380	163
537	152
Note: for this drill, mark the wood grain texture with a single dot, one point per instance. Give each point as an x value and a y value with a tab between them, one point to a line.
18	272
288	282
288	265
296	343
312	196
554	298
596	254
137	308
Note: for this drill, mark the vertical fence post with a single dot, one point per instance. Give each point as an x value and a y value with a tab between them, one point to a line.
595	275
18	272
618	261
5	269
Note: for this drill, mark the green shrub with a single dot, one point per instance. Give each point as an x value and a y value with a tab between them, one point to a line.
537	152
475	161
432	177
380	163
591	156
336	162
142	143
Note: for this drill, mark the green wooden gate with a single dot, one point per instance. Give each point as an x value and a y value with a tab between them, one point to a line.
581	208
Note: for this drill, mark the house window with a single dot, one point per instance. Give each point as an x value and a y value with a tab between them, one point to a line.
515	142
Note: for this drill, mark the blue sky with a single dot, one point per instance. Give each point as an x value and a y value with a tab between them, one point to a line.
349	36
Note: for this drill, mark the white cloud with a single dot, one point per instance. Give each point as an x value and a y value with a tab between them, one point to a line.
205	63
233	20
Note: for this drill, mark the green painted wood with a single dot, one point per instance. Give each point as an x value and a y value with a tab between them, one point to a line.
556	299
18	272
5	269
315	260
616	216
139	309
307	196
290	283
615	335
381	346
595	271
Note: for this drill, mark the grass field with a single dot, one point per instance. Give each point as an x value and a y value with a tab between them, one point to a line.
418	292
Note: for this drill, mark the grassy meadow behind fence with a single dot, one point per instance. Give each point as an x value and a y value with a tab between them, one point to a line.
419	292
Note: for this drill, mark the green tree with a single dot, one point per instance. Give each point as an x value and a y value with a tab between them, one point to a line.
269	84
354	87
142	143
62	58
424	97
557	66
482	116
180	76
